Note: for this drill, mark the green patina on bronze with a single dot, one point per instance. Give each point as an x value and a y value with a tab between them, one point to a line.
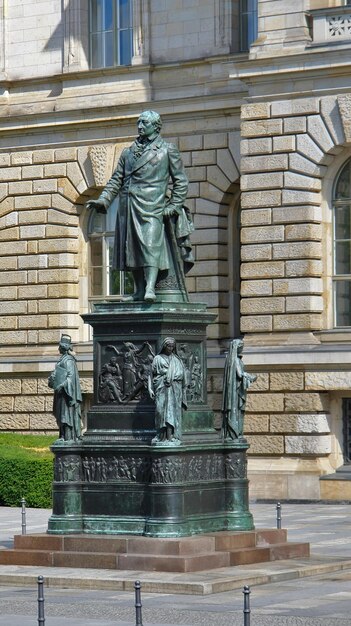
131	474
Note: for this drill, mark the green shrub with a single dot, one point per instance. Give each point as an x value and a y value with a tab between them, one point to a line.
26	470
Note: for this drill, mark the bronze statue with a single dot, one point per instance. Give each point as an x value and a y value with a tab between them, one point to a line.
144	213
167	386
64	380
236	382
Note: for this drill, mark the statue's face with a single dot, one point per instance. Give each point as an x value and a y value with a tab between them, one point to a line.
113	360
145	126
168	348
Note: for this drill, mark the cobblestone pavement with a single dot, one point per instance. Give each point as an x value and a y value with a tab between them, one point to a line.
317	601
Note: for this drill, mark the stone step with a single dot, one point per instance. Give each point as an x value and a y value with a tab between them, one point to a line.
164	563
182	546
72	543
232	541
276	552
183	554
48	558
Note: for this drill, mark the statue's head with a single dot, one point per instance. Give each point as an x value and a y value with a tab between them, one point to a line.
149	123
238	345
168	345
65	343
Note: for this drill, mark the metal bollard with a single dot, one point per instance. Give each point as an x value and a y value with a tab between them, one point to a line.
41	616
279	515
247	611
138	605
24	523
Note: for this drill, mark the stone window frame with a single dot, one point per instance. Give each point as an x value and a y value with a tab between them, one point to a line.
251	14
76	35
125	282
338	277
329	181
115	32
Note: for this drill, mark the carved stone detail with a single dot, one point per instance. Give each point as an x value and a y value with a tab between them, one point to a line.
345	111
102	158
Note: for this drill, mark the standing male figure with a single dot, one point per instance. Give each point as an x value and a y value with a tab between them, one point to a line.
64	380
141	180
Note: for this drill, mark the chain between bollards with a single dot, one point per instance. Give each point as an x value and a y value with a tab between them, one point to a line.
24	523
41	616
138	605
279	515
247	611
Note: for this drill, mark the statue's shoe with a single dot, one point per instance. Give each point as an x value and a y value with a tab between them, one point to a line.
136	297
150	296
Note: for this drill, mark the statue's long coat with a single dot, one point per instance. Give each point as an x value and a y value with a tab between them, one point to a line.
142	187
67	401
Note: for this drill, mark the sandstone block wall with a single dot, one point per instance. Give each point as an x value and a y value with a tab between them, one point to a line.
26	402
286	147
287	412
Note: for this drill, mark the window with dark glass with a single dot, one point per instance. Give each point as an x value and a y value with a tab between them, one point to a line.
111	33
248	23
105	282
342	247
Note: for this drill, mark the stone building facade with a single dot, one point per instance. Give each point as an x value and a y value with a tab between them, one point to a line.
272	120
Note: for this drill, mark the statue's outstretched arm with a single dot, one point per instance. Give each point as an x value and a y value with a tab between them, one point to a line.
111	188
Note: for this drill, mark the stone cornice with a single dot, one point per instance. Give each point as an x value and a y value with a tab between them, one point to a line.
310	61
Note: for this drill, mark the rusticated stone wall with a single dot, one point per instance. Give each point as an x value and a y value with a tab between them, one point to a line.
26	402
285	415
286	146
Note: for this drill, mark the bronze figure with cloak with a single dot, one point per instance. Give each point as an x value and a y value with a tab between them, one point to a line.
167	386
141	182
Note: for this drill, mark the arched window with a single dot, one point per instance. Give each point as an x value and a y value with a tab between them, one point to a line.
342	247
105	282
111	33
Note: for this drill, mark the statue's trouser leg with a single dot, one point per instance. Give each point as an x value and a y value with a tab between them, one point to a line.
150	278
139	286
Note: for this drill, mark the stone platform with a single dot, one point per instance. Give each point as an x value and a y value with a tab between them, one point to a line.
185	554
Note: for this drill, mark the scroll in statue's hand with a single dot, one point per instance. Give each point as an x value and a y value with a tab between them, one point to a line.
97	205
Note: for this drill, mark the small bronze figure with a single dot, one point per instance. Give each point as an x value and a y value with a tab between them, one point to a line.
236	382
167	386
64	380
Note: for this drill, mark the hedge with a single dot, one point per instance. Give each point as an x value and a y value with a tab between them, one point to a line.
26	470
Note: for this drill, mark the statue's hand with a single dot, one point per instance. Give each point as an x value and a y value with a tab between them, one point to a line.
97	205
170	210
152	394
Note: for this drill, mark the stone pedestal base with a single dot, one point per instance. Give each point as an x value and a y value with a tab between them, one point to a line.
190	554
